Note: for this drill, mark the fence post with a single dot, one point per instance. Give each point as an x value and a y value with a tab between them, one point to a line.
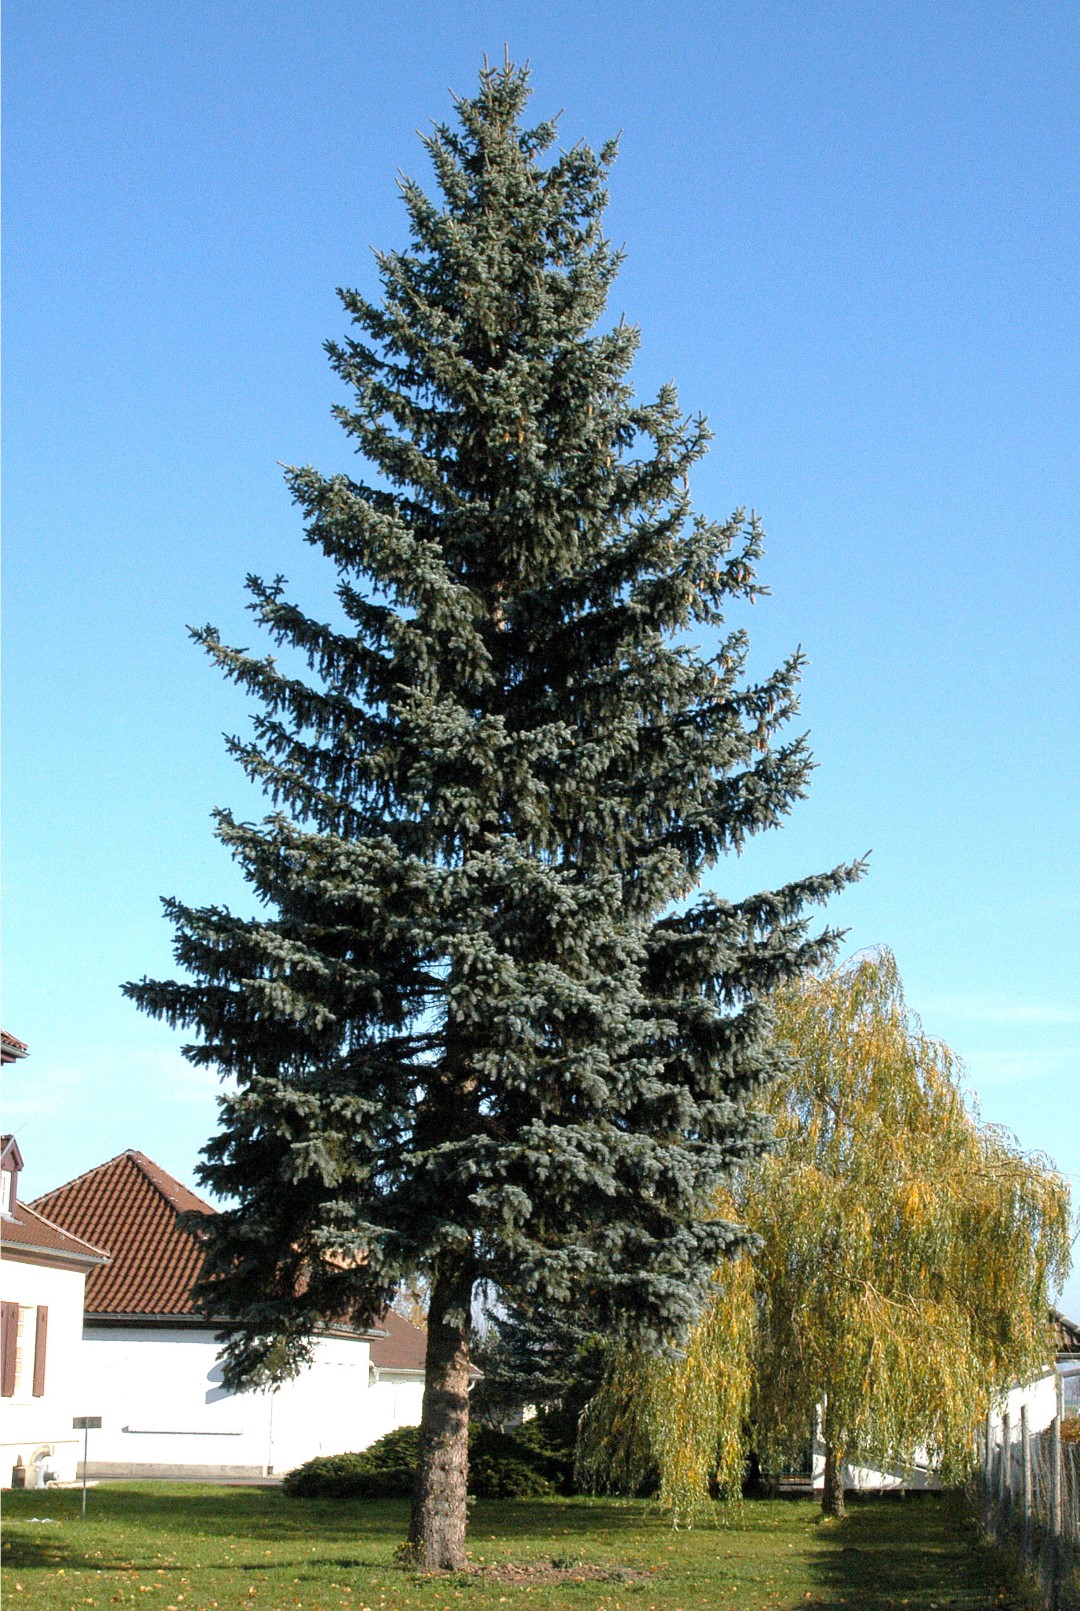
1055	1513
1025	1475
1005	1473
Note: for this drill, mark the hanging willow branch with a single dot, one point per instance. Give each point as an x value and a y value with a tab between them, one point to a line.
682	1419
906	1254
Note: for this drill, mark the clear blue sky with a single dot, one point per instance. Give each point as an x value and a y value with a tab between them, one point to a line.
852	240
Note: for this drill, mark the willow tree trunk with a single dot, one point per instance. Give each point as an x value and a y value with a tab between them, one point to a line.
437	1530
832	1495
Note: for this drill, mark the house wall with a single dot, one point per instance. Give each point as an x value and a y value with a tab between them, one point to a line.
1039	1396
395	1399
327	1409
39	1429
1068	1374
164	1410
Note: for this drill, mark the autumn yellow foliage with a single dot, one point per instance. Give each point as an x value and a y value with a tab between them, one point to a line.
906	1253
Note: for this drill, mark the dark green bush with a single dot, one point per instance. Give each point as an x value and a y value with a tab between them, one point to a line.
502	1465
328	1476
395	1451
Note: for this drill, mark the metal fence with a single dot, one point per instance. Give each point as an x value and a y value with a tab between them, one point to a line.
1031	1502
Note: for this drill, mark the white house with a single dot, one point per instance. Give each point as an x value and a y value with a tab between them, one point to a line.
43	1272
150	1364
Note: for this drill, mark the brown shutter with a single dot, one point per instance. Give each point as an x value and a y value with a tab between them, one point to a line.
9	1332
39	1349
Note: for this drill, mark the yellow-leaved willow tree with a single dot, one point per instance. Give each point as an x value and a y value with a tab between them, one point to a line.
901	1283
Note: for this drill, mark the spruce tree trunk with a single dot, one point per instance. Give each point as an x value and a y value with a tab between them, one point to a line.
437	1530
832	1496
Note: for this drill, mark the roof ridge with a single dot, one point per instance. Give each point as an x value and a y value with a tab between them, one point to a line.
135	1208
139	1159
141	1162
75	1179
63	1230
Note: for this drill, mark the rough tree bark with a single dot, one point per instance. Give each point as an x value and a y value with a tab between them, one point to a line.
437	1530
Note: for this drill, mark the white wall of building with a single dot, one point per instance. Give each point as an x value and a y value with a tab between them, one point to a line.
328	1408
1068	1373
396	1399
39	1429
163	1408
1040	1397
159	1395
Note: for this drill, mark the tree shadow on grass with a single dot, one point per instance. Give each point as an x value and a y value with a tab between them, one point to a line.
48	1550
154	1520
919	1551
260	1513
268	1513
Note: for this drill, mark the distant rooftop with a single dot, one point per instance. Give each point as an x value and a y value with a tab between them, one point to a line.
1066	1334
402	1348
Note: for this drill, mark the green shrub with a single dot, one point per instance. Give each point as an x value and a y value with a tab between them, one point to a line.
502	1465
553	1440
328	1476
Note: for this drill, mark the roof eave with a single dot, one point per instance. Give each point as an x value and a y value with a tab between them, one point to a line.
30	1253
156	1318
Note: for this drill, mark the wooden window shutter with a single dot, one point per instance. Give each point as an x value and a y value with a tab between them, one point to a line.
9	1333
39	1349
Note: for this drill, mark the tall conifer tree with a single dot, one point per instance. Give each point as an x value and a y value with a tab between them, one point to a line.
476	1033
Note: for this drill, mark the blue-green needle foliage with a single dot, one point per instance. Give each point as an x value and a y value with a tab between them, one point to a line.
477	1032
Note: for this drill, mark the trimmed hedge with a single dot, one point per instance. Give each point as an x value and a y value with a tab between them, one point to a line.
502	1465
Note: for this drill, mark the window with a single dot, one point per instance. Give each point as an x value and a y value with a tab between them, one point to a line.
24	1334
6	1181
9	1328
24	1353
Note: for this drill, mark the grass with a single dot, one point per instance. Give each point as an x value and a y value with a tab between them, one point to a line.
165	1547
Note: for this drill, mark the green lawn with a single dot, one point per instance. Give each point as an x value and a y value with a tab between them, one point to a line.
166	1547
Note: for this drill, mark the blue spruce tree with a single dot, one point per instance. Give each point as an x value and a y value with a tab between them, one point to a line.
476	1033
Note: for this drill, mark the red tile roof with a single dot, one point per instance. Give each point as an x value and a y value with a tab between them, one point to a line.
11	1047
130	1206
28	1234
404	1346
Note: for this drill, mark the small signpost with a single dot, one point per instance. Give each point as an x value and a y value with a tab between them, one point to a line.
83	1424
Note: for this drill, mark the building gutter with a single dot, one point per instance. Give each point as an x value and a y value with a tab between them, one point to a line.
28	1253
113	1318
